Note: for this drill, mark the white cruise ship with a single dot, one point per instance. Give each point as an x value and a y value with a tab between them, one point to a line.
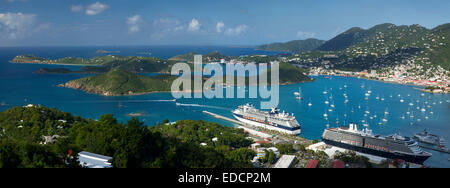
273	120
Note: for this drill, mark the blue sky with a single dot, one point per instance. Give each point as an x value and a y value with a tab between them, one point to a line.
201	22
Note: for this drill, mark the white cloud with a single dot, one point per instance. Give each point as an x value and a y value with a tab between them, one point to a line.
219	26
194	25
16	25
134	22
76	8
241	29
168	24
305	35
96	8
165	22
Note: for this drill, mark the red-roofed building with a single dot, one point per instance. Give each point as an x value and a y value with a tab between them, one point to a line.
312	164
338	164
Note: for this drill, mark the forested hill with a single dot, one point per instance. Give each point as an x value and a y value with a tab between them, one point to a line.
119	82
293	46
432	44
384	36
441	56
131	144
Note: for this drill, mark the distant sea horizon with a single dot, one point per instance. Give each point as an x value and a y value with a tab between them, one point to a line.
160	51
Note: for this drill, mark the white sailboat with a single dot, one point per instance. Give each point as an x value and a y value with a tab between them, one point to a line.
298	95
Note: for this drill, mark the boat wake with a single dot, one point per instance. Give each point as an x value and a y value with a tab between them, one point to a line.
127	101
202	106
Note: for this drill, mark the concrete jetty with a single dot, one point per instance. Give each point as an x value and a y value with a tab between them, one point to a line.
224	118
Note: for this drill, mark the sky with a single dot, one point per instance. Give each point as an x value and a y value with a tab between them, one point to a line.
201	22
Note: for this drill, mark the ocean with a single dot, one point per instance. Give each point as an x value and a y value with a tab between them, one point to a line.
381	111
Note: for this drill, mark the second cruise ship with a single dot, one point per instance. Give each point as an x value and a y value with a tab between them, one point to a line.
392	147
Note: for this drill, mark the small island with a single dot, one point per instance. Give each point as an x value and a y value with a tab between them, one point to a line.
101	64
31	59
119	82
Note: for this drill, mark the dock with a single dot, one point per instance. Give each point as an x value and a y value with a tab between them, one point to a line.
217	116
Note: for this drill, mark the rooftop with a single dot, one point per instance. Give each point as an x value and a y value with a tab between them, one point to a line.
312	164
285	161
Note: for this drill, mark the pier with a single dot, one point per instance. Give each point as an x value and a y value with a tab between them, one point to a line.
217	116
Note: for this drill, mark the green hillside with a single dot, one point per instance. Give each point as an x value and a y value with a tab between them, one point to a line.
210	57
441	56
131	144
378	39
290	74
101	64
119	82
384	45
139	64
344	40
293	46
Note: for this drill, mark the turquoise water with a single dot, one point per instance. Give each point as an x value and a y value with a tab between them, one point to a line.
20	86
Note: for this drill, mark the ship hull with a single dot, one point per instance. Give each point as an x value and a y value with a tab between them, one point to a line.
270	127
418	159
